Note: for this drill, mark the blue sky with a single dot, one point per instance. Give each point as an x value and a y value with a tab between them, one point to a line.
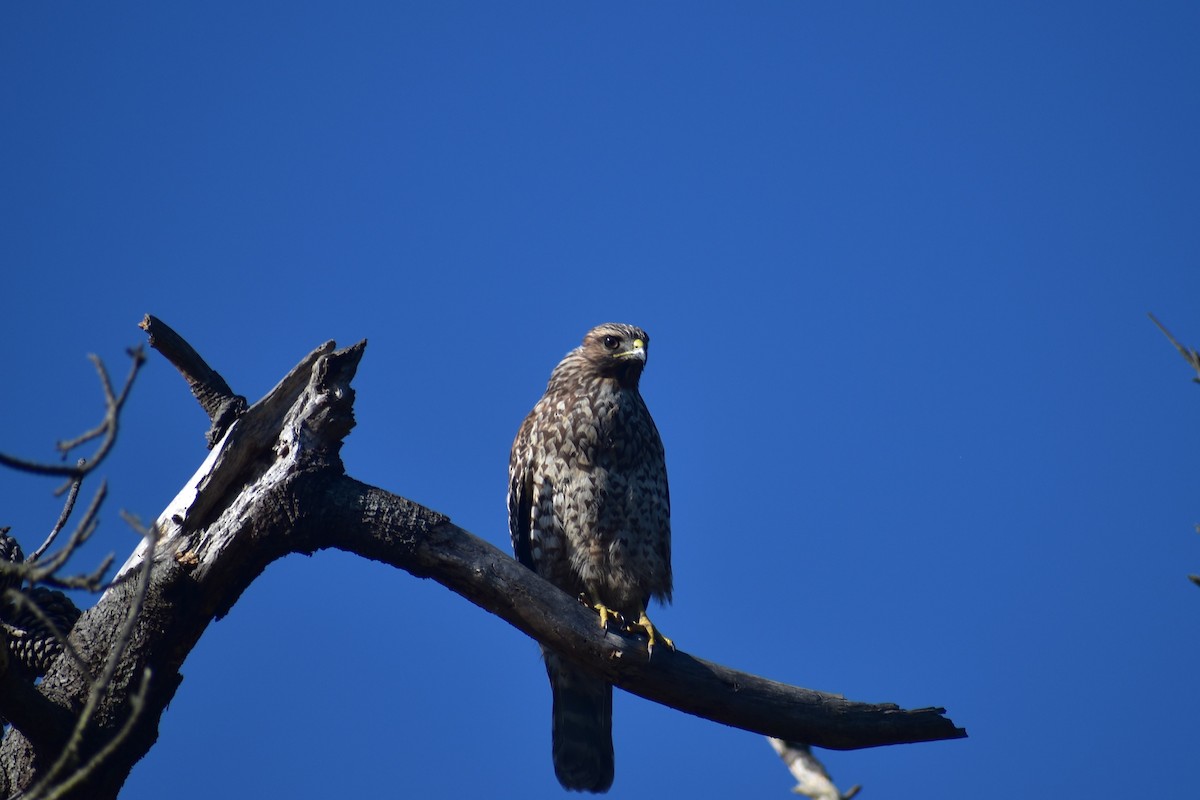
924	445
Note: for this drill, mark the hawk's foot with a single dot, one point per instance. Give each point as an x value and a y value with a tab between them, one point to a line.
606	614
653	635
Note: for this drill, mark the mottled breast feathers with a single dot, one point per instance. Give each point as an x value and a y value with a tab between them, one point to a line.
589	507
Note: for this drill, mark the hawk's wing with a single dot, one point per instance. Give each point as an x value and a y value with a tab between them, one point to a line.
520	495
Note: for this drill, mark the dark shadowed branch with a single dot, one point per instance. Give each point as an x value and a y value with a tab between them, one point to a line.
387	528
274	484
207	385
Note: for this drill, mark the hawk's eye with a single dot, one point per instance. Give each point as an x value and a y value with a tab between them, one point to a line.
611	342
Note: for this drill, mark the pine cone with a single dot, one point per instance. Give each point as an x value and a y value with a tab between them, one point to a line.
9	551
32	643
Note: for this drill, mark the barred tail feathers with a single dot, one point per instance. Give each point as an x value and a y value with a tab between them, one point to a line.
581	735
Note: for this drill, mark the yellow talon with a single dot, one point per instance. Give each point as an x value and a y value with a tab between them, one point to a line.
605	612
653	635
643	625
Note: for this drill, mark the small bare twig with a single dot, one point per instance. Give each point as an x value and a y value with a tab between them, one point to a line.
107	428
1189	355
137	704
68	507
35	629
46	572
89	582
113	404
49	785
1193	358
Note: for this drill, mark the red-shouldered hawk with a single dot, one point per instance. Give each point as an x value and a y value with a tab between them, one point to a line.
589	511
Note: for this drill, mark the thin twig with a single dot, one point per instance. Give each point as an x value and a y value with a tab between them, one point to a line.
37	468
1189	355
22	602
137	704
112	403
89	582
107	427
68	507
101	686
45	571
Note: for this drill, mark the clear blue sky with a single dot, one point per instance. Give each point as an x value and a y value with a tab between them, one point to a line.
924	445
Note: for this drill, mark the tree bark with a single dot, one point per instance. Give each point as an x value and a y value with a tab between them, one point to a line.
274	484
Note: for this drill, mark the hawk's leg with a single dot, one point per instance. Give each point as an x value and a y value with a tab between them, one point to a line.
653	635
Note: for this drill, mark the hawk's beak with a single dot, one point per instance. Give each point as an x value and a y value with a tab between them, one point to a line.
638	351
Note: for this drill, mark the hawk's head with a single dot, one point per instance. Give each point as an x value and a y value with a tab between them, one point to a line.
616	350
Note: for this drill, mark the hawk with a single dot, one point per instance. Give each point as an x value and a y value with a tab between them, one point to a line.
589	511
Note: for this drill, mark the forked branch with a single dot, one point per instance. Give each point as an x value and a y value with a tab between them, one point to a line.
106	430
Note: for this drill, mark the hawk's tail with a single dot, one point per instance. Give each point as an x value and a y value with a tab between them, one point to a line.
582	733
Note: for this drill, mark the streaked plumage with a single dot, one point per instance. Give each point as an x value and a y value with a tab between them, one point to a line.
589	510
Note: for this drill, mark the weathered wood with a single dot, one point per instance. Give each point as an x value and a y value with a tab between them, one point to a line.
381	526
209	388
216	537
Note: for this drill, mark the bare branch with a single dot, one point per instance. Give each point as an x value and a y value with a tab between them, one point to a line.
47	571
1193	358
812	780
387	528
1189	355
207	385
137	704
89	582
70	754
107	428
37	468
34	637
68	507
113	404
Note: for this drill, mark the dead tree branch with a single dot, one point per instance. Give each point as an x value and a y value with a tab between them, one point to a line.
1189	355
383	527
207	385
1193	359
812	780
68	507
274	484
70	758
